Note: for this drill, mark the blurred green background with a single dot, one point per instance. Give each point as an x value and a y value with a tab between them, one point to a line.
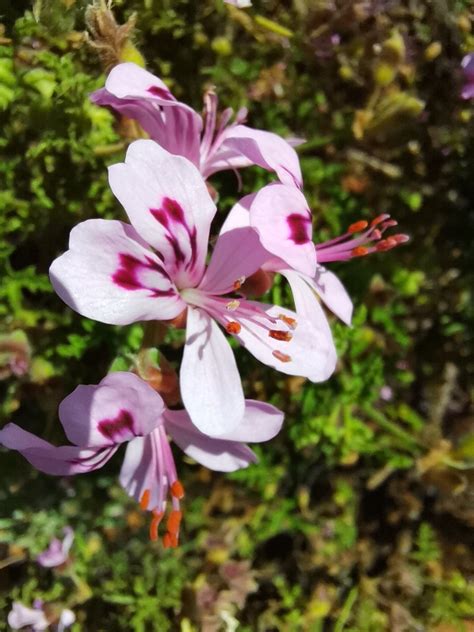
360	515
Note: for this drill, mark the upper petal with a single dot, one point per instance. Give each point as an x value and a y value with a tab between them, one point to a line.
261	148
59	461
281	216
210	381
238	254
109	276
212	452
122	406
168	203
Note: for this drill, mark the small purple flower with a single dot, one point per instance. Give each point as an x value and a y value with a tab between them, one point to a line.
57	552
20	617
467	65
240	4
35	619
211	145
123	408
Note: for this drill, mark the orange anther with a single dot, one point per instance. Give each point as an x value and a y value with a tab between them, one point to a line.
154	524
379	219
383	245
401	239
360	251
233	327
291	322
238	284
145	499
358	226
283	357
173	522
284	336
377	234
177	490
170	540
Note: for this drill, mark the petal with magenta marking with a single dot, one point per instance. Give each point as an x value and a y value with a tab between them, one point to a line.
109	276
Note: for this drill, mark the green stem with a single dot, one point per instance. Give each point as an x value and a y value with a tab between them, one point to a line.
392	428
343	618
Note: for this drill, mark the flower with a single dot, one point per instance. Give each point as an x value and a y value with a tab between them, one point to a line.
57	552
240	4
110	274
15	354
280	215
123	408
139	95
467	65
21	616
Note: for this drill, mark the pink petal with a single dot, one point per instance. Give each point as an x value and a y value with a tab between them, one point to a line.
333	293
265	149
238	216
59	461
122	406
308	307
310	352
214	453
130	80
168	203
140	471
281	216
238	254
210	381
109	276
261	422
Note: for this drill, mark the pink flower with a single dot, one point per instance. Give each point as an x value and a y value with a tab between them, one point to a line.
211	146
110	274
57	552
282	219
468	69
123	408
35	619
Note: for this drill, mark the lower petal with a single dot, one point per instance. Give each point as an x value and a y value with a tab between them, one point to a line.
210	382
214	453
308	352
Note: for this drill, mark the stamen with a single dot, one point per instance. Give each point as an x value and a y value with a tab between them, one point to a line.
177	490
277	334
154	524
360	251
232	305
283	357
291	322
238	284
173	522
170	540
357	227
233	327
145	500
379	219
